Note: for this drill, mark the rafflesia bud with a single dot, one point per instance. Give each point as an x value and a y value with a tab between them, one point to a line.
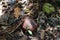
29	24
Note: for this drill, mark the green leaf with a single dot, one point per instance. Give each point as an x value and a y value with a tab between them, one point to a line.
27	10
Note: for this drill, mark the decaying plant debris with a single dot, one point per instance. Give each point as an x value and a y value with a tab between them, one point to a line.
30	20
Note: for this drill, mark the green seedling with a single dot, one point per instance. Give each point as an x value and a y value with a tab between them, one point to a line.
48	8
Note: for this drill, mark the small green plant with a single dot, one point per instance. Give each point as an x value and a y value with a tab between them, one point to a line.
48	8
